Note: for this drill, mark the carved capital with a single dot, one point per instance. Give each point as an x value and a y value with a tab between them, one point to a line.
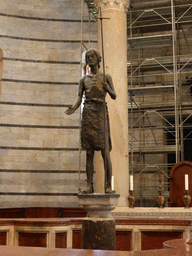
120	5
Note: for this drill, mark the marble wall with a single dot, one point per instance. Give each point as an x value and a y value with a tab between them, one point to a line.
42	44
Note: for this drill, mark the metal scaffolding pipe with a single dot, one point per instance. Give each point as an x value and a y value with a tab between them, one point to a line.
155	4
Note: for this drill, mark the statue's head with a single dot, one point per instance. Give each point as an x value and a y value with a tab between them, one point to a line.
96	52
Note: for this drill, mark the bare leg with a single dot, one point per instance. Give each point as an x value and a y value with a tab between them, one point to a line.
108	170
89	170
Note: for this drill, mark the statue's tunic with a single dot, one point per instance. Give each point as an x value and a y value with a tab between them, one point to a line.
95	120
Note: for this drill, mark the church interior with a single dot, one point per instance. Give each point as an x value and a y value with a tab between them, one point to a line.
147	49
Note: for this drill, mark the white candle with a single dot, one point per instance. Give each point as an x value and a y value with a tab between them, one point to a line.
112	183
131	182
186	182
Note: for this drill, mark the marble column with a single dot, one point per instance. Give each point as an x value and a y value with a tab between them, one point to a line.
98	228
115	54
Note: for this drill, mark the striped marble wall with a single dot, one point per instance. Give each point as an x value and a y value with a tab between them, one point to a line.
39	145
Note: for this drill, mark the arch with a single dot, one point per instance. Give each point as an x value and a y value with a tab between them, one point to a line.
177	182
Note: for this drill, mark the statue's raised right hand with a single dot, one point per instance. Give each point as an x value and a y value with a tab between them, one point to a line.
69	111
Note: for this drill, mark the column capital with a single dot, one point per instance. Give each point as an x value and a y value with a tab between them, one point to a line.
120	5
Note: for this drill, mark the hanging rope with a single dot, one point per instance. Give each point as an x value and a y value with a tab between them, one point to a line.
81	67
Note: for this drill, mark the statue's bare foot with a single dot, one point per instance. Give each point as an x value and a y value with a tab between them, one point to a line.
108	190
90	189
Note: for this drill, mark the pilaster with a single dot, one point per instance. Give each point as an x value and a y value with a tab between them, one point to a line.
115	54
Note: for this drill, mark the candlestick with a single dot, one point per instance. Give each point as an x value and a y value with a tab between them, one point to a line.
112	183
186	182
160	198
187	198
131	182
131	199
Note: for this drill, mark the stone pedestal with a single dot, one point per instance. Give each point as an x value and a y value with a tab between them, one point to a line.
98	228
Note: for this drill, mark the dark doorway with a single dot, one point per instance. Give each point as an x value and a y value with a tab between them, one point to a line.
187	135
171	157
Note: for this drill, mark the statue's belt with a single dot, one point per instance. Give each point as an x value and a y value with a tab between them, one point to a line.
94	100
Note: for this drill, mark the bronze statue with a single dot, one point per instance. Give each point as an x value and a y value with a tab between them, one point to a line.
95	132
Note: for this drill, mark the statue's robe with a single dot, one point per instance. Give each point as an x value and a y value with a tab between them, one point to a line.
95	130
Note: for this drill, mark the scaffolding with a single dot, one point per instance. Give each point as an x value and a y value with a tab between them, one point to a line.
159	82
160	89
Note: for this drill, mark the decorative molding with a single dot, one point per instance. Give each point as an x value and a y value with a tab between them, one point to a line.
43	19
152	221
38	148
43	61
170	213
48	40
38	82
120	5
